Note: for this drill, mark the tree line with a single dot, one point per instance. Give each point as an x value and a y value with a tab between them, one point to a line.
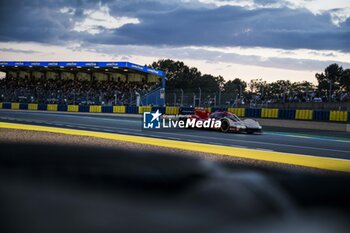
333	80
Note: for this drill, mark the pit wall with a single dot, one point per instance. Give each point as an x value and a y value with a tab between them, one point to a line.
265	113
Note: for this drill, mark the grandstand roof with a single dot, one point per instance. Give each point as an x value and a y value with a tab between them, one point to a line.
73	65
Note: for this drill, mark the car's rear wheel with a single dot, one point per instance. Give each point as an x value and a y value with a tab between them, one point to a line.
225	126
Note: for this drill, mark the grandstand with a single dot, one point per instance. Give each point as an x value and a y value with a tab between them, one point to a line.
105	83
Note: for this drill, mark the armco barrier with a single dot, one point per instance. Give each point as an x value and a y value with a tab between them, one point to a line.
269	113
238	111
119	109
304	114
143	109
338	116
15	106
95	108
73	108
32	106
286	114
172	110
253	112
132	109
107	109
321	115
52	107
161	109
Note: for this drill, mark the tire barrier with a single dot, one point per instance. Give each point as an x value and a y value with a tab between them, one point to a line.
172	110
143	109
107	109
32	106
214	109
73	108
62	107
253	112
119	109
304	114
84	108
95	108
23	106
238	111
186	110
15	106
299	114
52	107
341	116
161	109
132	109
321	115
286	114
269	113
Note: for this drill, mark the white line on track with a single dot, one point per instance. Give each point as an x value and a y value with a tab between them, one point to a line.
179	135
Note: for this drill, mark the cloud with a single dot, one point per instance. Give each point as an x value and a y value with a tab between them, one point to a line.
172	23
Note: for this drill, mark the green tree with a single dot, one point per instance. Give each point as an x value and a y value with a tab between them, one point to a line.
345	80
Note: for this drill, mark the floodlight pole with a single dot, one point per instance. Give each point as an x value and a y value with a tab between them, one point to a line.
200	96
182	97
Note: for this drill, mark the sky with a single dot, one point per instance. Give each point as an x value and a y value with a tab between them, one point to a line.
247	39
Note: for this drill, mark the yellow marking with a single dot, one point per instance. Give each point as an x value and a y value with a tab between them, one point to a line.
333	164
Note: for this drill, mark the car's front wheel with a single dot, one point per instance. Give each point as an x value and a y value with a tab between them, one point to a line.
225	126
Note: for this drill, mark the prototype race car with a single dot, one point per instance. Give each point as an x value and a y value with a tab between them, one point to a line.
229	121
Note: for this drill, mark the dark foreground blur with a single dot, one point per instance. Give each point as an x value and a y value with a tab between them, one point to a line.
82	189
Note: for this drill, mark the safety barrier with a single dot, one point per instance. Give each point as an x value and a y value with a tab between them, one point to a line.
304	114
15	106
321	115
73	108
286	114
107	109
238	111
119	109
132	109
52	107
172	110
253	112
32	106
290	114
143	109
160	109
95	108
338	116
269	113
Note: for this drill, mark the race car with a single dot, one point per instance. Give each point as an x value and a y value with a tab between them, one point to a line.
229	121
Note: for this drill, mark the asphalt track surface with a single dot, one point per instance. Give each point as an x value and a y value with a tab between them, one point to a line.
317	143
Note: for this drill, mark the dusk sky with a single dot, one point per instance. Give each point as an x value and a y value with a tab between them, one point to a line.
245	39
